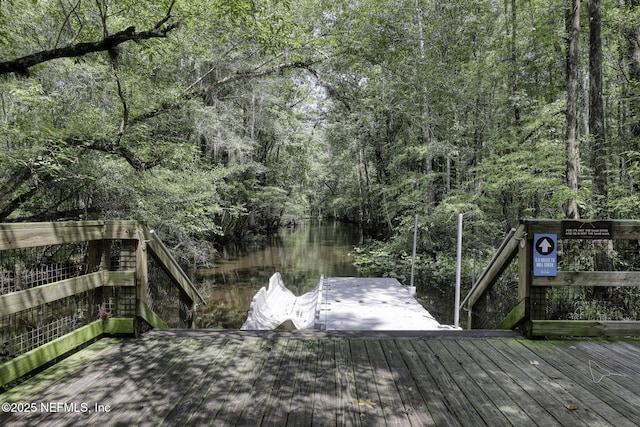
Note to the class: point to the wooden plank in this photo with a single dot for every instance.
(219, 379)
(515, 316)
(217, 355)
(483, 373)
(472, 393)
(56, 377)
(267, 385)
(324, 407)
(139, 388)
(367, 381)
(122, 230)
(145, 313)
(173, 270)
(621, 356)
(394, 411)
(153, 399)
(26, 235)
(543, 408)
(119, 326)
(440, 391)
(245, 374)
(590, 278)
(31, 360)
(77, 377)
(169, 378)
(262, 392)
(278, 408)
(587, 397)
(28, 298)
(525, 269)
(304, 385)
(497, 265)
(119, 278)
(621, 229)
(548, 380)
(421, 399)
(142, 273)
(593, 373)
(346, 398)
(584, 328)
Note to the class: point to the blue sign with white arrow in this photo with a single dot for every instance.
(545, 255)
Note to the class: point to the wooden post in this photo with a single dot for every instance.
(142, 277)
(525, 267)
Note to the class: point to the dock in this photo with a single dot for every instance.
(334, 378)
(341, 304)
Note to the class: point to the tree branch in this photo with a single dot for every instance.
(22, 65)
(256, 74)
(114, 147)
(240, 75)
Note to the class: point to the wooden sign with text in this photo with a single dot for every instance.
(587, 229)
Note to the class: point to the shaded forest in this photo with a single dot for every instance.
(213, 120)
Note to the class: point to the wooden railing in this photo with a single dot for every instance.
(64, 284)
(593, 291)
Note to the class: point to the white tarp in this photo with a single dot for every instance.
(272, 307)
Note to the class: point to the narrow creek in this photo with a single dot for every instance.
(301, 255)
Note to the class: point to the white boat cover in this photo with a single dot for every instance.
(272, 307)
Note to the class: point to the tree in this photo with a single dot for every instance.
(573, 147)
(631, 33)
(596, 110)
(68, 101)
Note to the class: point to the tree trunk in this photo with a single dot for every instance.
(571, 135)
(596, 110)
(512, 30)
(631, 32)
(426, 118)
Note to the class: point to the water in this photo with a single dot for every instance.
(301, 255)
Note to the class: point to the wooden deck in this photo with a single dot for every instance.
(334, 379)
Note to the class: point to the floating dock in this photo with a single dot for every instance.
(341, 304)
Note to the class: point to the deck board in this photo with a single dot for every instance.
(482, 371)
(564, 388)
(390, 400)
(570, 362)
(332, 379)
(529, 397)
(303, 385)
(453, 396)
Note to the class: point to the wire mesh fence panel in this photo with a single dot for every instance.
(29, 329)
(26, 268)
(598, 255)
(163, 297)
(122, 255)
(77, 291)
(29, 268)
(600, 302)
(497, 301)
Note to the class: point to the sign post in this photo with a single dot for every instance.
(545, 255)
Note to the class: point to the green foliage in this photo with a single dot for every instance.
(419, 107)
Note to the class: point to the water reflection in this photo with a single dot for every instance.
(300, 254)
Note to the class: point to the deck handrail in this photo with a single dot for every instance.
(481, 283)
(530, 311)
(30, 292)
(175, 268)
